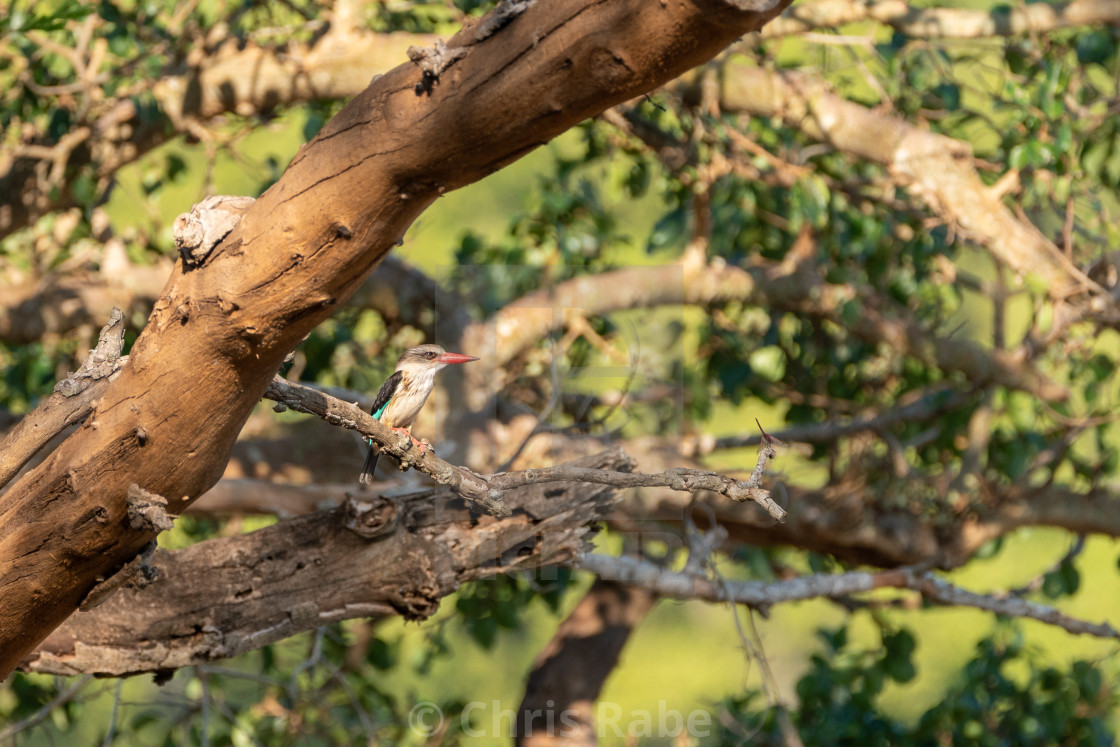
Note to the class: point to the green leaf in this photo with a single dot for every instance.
(1095, 46)
(1030, 153)
(769, 363)
(950, 95)
(68, 10)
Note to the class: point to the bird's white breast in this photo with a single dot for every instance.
(409, 399)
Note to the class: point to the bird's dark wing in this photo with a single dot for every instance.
(384, 394)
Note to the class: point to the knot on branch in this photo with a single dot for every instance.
(137, 573)
(417, 602)
(199, 231)
(103, 361)
(369, 518)
(147, 510)
(433, 62)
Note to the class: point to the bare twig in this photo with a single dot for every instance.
(64, 696)
(927, 406)
(1036, 583)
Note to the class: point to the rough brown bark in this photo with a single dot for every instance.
(220, 331)
(231, 595)
(568, 674)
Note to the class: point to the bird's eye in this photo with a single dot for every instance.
(430, 354)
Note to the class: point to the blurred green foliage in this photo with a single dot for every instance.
(1005, 695)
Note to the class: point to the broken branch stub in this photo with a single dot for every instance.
(199, 231)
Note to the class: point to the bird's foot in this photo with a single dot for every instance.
(422, 445)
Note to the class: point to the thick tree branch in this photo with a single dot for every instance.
(246, 496)
(935, 168)
(227, 596)
(842, 520)
(70, 404)
(777, 287)
(936, 23)
(302, 249)
(630, 570)
(569, 673)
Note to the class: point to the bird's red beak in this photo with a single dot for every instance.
(456, 358)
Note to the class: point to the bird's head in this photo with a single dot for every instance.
(429, 358)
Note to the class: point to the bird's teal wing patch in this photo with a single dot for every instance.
(381, 401)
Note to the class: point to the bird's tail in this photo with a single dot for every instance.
(370, 466)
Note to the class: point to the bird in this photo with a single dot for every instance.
(403, 395)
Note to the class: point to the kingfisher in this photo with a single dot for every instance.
(403, 395)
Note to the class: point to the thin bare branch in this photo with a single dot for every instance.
(64, 696)
(926, 407)
(761, 594)
(487, 490)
